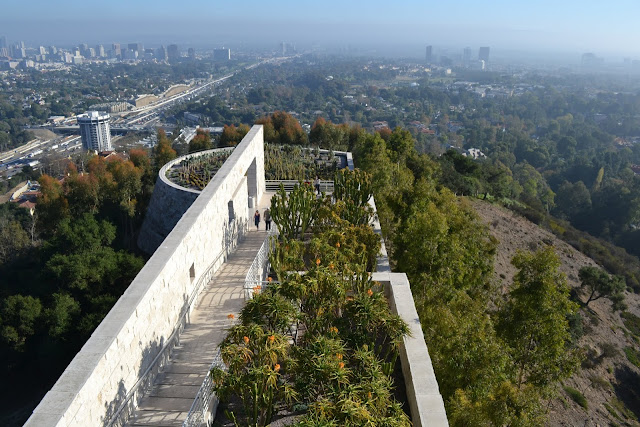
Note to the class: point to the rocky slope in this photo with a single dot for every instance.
(609, 382)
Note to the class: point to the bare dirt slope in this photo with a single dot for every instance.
(608, 381)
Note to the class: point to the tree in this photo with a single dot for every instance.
(231, 135)
(599, 284)
(20, 315)
(534, 320)
(163, 153)
(201, 141)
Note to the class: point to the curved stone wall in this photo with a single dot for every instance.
(169, 202)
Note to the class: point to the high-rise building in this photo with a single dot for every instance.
(429, 54)
(138, 47)
(483, 54)
(94, 130)
(466, 56)
(161, 53)
(173, 53)
(100, 51)
(117, 51)
(221, 54)
(3, 42)
(191, 53)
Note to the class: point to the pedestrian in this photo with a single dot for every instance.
(267, 219)
(316, 184)
(256, 219)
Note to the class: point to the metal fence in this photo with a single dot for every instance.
(205, 404)
(259, 268)
(274, 185)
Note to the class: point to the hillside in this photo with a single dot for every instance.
(608, 381)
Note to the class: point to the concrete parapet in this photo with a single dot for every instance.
(423, 394)
(130, 344)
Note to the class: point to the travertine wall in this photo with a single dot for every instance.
(168, 203)
(134, 332)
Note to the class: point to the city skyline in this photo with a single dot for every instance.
(548, 26)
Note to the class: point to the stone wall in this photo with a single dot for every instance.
(133, 338)
(169, 202)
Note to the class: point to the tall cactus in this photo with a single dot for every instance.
(354, 188)
(294, 213)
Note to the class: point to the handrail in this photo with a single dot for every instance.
(274, 185)
(145, 382)
(199, 414)
(259, 267)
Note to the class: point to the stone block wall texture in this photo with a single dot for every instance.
(130, 337)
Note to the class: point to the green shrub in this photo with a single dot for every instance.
(633, 354)
(631, 322)
(577, 396)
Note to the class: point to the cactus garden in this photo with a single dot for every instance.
(195, 172)
(291, 162)
(319, 345)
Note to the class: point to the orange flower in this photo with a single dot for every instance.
(271, 338)
(269, 279)
(338, 245)
(333, 330)
(369, 292)
(369, 395)
(341, 365)
(339, 356)
(276, 367)
(331, 266)
(318, 261)
(231, 316)
(246, 340)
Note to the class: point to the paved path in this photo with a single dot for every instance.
(176, 387)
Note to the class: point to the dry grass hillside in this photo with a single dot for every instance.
(606, 391)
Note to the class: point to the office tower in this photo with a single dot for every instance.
(138, 47)
(3, 42)
(191, 54)
(84, 50)
(221, 54)
(100, 51)
(466, 56)
(53, 50)
(161, 54)
(483, 54)
(117, 51)
(173, 53)
(429, 54)
(95, 132)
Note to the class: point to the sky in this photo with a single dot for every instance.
(603, 27)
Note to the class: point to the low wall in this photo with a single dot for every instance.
(423, 394)
(103, 378)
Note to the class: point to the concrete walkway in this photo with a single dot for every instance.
(176, 387)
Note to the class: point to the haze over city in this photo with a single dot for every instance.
(402, 28)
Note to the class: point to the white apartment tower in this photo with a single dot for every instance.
(95, 132)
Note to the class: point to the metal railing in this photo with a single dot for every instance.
(274, 185)
(145, 383)
(205, 404)
(259, 268)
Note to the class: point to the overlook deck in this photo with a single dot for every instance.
(175, 388)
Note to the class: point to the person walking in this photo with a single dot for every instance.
(256, 219)
(316, 184)
(267, 219)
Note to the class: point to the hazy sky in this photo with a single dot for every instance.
(561, 25)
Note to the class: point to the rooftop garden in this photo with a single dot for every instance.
(195, 172)
(317, 345)
(291, 162)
